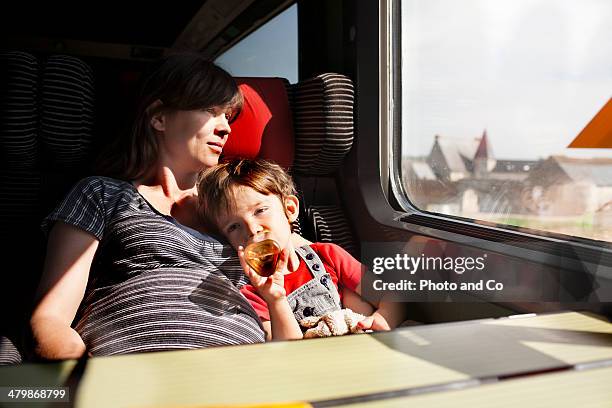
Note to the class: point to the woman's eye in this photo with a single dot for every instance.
(261, 210)
(232, 228)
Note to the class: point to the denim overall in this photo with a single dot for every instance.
(319, 295)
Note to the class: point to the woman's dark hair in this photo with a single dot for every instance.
(182, 82)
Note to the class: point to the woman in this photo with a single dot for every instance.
(125, 261)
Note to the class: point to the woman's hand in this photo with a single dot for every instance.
(272, 288)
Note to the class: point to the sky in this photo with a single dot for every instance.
(532, 73)
(272, 50)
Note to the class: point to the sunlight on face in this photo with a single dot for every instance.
(255, 217)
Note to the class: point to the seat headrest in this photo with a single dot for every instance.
(19, 110)
(66, 110)
(264, 126)
(323, 113)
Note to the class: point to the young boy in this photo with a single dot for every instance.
(253, 200)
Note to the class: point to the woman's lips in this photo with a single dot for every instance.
(215, 147)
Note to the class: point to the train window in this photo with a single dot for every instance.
(269, 51)
(492, 94)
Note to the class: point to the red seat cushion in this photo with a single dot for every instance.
(264, 127)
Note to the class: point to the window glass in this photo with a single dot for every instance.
(493, 93)
(269, 51)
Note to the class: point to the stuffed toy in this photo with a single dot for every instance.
(336, 323)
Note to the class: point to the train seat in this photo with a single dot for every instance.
(47, 110)
(50, 136)
(307, 128)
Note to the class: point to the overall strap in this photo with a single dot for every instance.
(319, 295)
(312, 260)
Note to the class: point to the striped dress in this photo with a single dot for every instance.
(154, 284)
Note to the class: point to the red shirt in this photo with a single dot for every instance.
(344, 270)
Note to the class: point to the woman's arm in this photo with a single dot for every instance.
(70, 252)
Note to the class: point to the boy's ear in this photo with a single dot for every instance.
(292, 207)
(157, 117)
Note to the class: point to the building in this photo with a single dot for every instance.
(563, 186)
(463, 177)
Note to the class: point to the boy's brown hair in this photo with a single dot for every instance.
(215, 185)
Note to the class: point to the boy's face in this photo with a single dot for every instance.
(257, 217)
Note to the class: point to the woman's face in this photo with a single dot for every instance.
(194, 139)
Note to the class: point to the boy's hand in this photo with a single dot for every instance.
(272, 288)
(374, 322)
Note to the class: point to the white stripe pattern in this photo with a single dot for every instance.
(330, 225)
(67, 110)
(19, 121)
(8, 352)
(323, 120)
(153, 285)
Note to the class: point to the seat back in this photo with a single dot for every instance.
(47, 110)
(308, 129)
(323, 115)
